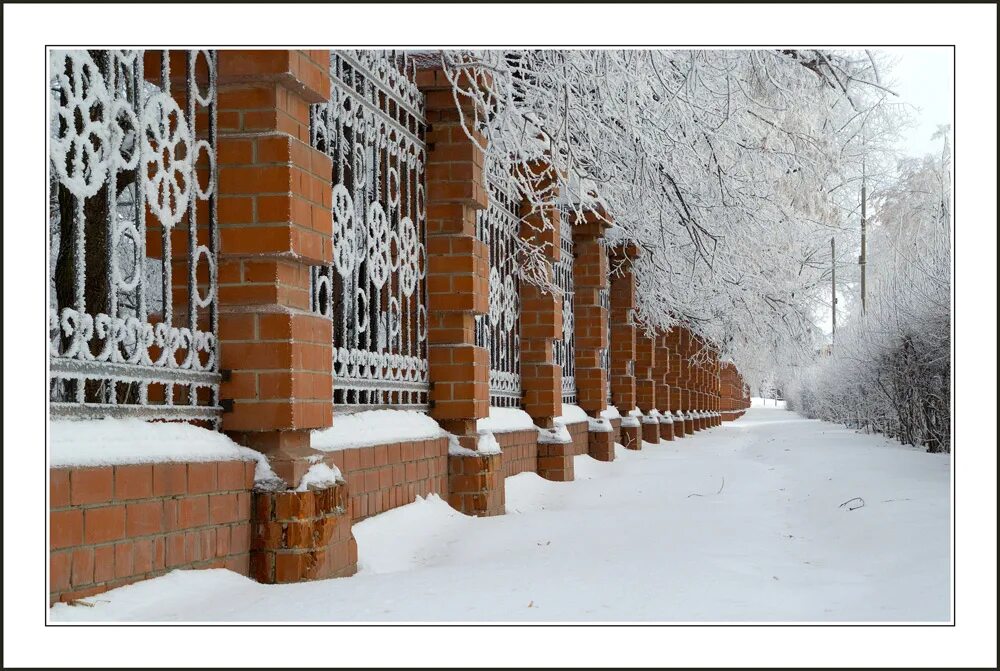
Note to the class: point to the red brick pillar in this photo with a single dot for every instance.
(541, 325)
(715, 387)
(274, 225)
(731, 391)
(692, 383)
(696, 375)
(645, 386)
(701, 384)
(725, 392)
(590, 279)
(623, 341)
(711, 386)
(457, 291)
(700, 395)
(661, 375)
(671, 341)
(684, 348)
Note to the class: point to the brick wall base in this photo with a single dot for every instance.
(555, 461)
(520, 451)
(383, 477)
(475, 484)
(581, 442)
(666, 430)
(630, 437)
(115, 525)
(601, 445)
(688, 425)
(299, 536)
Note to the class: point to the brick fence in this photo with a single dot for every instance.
(110, 526)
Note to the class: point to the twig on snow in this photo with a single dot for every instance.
(716, 494)
(856, 498)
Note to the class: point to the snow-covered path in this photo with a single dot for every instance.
(740, 523)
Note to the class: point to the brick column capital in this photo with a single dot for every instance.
(591, 224)
(306, 73)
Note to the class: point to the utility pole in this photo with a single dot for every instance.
(833, 290)
(863, 259)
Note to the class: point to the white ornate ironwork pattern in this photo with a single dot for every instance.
(499, 331)
(565, 348)
(375, 290)
(132, 184)
(605, 353)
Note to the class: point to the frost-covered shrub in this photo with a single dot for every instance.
(890, 369)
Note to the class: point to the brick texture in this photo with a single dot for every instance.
(590, 277)
(520, 451)
(113, 526)
(475, 484)
(274, 211)
(383, 477)
(623, 330)
(299, 536)
(458, 263)
(631, 438)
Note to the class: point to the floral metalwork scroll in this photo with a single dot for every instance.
(372, 128)
(133, 235)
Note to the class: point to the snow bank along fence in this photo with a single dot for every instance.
(259, 241)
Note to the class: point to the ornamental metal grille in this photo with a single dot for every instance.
(375, 290)
(605, 353)
(565, 349)
(132, 183)
(499, 331)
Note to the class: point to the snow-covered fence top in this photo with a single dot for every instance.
(373, 129)
(132, 183)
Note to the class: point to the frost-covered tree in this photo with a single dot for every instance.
(729, 168)
(890, 370)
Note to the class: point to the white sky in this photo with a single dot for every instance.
(923, 78)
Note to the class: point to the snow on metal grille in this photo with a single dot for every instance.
(605, 353)
(132, 183)
(565, 348)
(375, 291)
(499, 331)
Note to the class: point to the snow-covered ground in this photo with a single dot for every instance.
(742, 523)
(758, 402)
